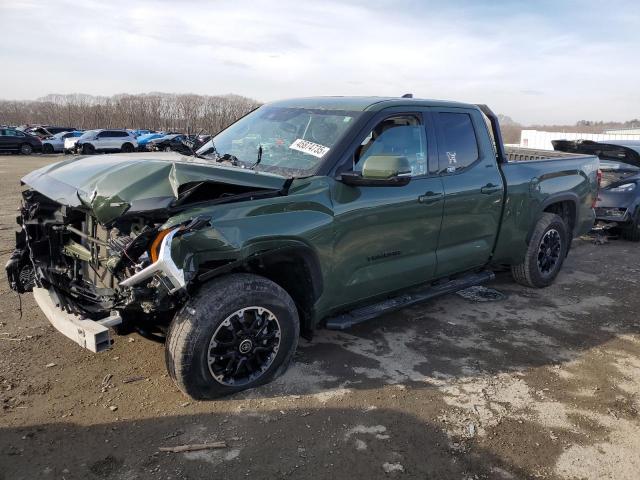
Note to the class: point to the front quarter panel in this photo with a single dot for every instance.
(241, 230)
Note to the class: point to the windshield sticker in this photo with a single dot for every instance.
(305, 146)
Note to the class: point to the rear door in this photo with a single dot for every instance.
(473, 190)
(119, 138)
(386, 237)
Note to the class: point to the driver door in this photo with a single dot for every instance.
(386, 236)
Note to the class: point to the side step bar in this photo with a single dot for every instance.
(412, 297)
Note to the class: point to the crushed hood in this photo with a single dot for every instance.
(111, 185)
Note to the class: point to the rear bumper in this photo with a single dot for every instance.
(90, 334)
(618, 215)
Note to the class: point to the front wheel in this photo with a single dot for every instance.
(545, 254)
(47, 148)
(239, 331)
(88, 149)
(26, 149)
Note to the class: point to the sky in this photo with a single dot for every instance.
(536, 61)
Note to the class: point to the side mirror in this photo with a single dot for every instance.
(381, 170)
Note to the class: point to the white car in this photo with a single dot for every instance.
(56, 143)
(111, 140)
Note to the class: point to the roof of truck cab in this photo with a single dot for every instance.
(361, 104)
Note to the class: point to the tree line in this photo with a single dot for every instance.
(188, 113)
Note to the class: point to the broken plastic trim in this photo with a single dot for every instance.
(164, 265)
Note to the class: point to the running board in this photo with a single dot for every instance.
(412, 297)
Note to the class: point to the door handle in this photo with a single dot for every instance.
(490, 188)
(430, 197)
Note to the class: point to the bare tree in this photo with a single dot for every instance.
(188, 113)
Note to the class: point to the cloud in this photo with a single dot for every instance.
(537, 61)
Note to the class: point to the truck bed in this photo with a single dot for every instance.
(520, 154)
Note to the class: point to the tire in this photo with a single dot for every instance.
(632, 232)
(168, 149)
(47, 148)
(88, 149)
(545, 254)
(204, 326)
(26, 149)
(127, 148)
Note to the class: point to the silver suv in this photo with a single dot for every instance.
(106, 141)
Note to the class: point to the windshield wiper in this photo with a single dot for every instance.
(259, 158)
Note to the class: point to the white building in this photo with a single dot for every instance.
(542, 140)
(624, 131)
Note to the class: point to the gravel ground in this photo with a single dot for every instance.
(528, 384)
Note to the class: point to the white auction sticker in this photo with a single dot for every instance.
(305, 146)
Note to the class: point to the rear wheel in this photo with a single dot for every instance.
(26, 149)
(545, 254)
(47, 148)
(127, 148)
(238, 332)
(631, 232)
(88, 149)
(167, 149)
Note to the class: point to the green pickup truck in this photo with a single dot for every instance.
(307, 213)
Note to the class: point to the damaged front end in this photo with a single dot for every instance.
(98, 238)
(112, 274)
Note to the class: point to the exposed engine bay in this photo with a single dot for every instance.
(66, 250)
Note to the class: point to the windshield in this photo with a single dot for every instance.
(292, 141)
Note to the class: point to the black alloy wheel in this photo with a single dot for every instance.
(244, 346)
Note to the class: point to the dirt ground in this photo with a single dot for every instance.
(533, 384)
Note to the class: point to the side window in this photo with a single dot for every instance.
(120, 134)
(104, 134)
(459, 147)
(402, 135)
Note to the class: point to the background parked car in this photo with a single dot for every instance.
(143, 140)
(47, 131)
(619, 197)
(138, 133)
(176, 143)
(13, 140)
(55, 144)
(106, 141)
(166, 142)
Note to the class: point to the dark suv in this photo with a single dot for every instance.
(13, 140)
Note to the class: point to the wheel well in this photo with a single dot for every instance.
(297, 271)
(566, 210)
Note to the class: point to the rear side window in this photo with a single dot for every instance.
(120, 134)
(459, 147)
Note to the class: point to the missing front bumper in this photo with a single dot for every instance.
(90, 334)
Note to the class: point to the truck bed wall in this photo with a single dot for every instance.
(533, 185)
